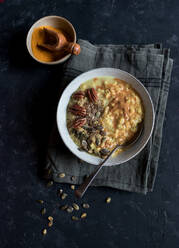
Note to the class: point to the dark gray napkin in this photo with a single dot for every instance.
(152, 66)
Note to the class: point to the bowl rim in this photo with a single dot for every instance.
(94, 70)
(29, 35)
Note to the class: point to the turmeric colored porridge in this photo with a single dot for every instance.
(102, 113)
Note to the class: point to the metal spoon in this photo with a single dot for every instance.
(79, 192)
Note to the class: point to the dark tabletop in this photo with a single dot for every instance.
(28, 98)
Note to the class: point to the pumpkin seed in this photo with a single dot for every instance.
(63, 196)
(108, 199)
(84, 144)
(74, 218)
(43, 211)
(40, 201)
(73, 178)
(72, 187)
(76, 207)
(92, 138)
(91, 130)
(94, 131)
(103, 139)
(85, 136)
(44, 231)
(95, 123)
(98, 114)
(83, 215)
(50, 223)
(97, 141)
(79, 134)
(85, 205)
(64, 207)
(50, 183)
(69, 209)
(61, 175)
(85, 127)
(50, 218)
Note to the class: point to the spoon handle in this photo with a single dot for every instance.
(79, 192)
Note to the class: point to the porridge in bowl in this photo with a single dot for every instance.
(102, 113)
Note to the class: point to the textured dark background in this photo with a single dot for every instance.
(28, 98)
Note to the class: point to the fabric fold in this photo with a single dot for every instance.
(152, 65)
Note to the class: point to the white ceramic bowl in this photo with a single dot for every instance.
(56, 22)
(148, 120)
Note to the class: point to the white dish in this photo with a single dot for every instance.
(148, 119)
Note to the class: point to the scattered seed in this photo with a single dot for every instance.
(63, 196)
(44, 231)
(108, 199)
(83, 215)
(40, 201)
(60, 191)
(50, 183)
(75, 218)
(61, 175)
(85, 205)
(72, 187)
(64, 207)
(73, 178)
(69, 209)
(50, 218)
(50, 223)
(43, 211)
(76, 207)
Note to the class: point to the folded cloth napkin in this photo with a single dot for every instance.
(152, 66)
